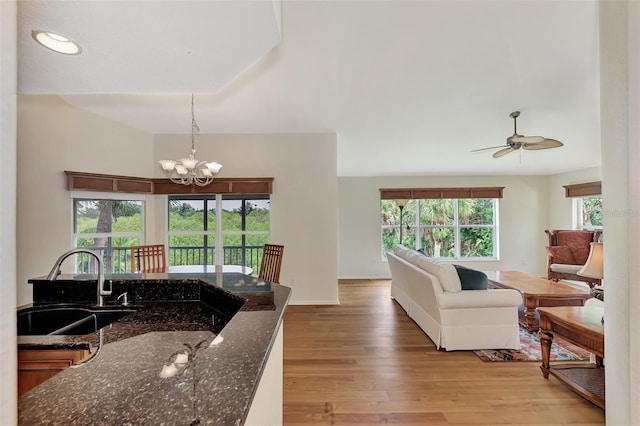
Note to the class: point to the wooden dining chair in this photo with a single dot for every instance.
(148, 258)
(271, 262)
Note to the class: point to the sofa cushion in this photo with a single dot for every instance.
(561, 254)
(445, 272)
(565, 269)
(413, 256)
(471, 279)
(401, 251)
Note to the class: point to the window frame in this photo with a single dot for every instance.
(109, 263)
(578, 206)
(578, 192)
(219, 233)
(456, 226)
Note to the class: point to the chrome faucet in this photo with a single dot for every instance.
(55, 271)
(124, 297)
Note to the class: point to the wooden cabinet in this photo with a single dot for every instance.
(38, 365)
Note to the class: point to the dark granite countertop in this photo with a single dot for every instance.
(123, 384)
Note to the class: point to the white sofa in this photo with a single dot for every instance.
(454, 319)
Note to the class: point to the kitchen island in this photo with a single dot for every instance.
(194, 352)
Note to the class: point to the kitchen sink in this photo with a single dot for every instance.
(67, 319)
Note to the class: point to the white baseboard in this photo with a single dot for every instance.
(314, 302)
(363, 277)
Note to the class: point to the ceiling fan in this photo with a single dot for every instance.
(516, 141)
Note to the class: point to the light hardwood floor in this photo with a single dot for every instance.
(365, 362)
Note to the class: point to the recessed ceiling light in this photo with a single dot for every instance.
(56, 42)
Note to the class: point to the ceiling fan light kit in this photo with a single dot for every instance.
(516, 141)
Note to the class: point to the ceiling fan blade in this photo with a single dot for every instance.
(527, 139)
(502, 152)
(491, 147)
(544, 144)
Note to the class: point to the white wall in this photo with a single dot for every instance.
(8, 87)
(52, 137)
(522, 220)
(303, 203)
(620, 108)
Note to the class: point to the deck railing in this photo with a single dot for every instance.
(120, 259)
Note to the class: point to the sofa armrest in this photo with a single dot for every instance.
(493, 298)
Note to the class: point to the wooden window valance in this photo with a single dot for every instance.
(440, 193)
(583, 189)
(114, 183)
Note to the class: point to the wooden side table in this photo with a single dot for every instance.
(582, 326)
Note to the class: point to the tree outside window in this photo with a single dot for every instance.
(442, 228)
(590, 212)
(109, 227)
(194, 237)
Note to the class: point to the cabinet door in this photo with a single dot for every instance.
(37, 366)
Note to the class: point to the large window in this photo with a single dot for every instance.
(443, 228)
(196, 229)
(109, 227)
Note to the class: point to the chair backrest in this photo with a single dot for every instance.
(271, 262)
(148, 258)
(576, 241)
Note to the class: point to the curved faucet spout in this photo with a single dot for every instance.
(55, 271)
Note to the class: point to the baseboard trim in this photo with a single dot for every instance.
(363, 277)
(314, 302)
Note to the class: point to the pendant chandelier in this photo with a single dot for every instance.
(188, 171)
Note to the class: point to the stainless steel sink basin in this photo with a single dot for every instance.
(66, 319)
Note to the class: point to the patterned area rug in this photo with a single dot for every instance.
(561, 350)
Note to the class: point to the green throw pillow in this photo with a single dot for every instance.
(472, 279)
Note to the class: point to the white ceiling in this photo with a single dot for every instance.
(409, 87)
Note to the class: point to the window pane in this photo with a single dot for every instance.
(211, 215)
(390, 217)
(476, 242)
(258, 215)
(475, 211)
(186, 250)
(408, 236)
(232, 215)
(232, 250)
(390, 237)
(436, 212)
(86, 216)
(253, 251)
(438, 242)
(592, 211)
(186, 215)
(390, 212)
(127, 216)
(116, 225)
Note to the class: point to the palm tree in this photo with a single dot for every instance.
(108, 213)
(439, 213)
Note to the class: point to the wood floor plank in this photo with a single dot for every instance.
(365, 362)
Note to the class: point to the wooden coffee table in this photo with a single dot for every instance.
(537, 292)
(582, 326)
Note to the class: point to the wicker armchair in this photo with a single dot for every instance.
(567, 252)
